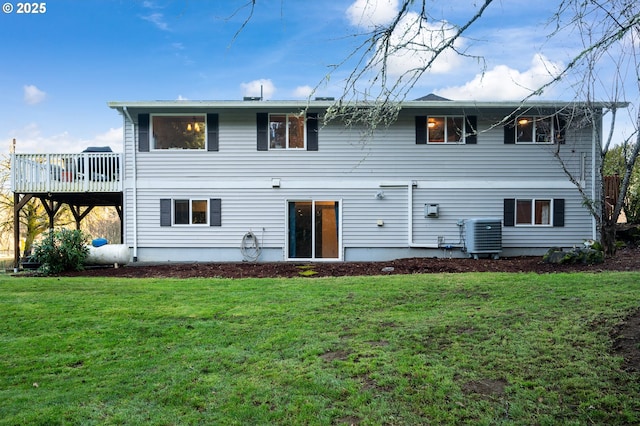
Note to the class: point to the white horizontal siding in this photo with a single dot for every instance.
(264, 212)
(463, 204)
(465, 180)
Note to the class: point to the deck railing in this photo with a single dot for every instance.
(85, 172)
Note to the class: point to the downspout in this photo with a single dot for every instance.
(410, 241)
(135, 186)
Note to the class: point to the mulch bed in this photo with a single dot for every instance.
(627, 259)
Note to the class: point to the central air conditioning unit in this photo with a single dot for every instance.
(483, 236)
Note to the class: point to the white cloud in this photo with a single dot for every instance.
(31, 140)
(112, 138)
(181, 98)
(154, 17)
(372, 13)
(33, 95)
(256, 88)
(413, 45)
(302, 92)
(157, 19)
(413, 42)
(504, 83)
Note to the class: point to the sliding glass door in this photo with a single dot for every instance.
(314, 230)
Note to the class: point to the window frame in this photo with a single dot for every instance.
(535, 119)
(533, 212)
(301, 117)
(198, 115)
(445, 140)
(207, 212)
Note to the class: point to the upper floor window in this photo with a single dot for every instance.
(534, 130)
(531, 129)
(286, 131)
(178, 131)
(445, 129)
(281, 131)
(451, 129)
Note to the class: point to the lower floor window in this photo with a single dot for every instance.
(187, 211)
(190, 212)
(314, 229)
(533, 212)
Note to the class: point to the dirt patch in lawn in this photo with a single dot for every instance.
(494, 388)
(626, 342)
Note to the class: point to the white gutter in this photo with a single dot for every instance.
(410, 242)
(135, 185)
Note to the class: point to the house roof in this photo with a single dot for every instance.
(422, 103)
(432, 97)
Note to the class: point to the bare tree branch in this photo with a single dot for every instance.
(251, 4)
(374, 58)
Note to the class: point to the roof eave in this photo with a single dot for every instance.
(323, 104)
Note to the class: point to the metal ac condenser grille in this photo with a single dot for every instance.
(488, 236)
(483, 235)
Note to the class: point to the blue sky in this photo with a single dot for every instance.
(61, 67)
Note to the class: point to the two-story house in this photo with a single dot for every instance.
(269, 181)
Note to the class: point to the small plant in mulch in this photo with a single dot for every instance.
(306, 271)
(584, 255)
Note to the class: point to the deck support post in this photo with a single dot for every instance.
(119, 211)
(78, 215)
(18, 204)
(52, 209)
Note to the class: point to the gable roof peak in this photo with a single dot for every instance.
(432, 97)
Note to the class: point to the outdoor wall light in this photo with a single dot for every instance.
(380, 195)
(275, 183)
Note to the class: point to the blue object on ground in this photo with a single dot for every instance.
(99, 242)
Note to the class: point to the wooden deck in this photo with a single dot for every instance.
(81, 181)
(91, 172)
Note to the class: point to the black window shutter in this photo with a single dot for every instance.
(215, 212)
(472, 129)
(312, 131)
(509, 212)
(165, 212)
(262, 124)
(421, 129)
(143, 132)
(510, 133)
(212, 132)
(559, 124)
(558, 212)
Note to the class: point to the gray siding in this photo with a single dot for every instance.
(465, 180)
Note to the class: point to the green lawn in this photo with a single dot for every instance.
(484, 348)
